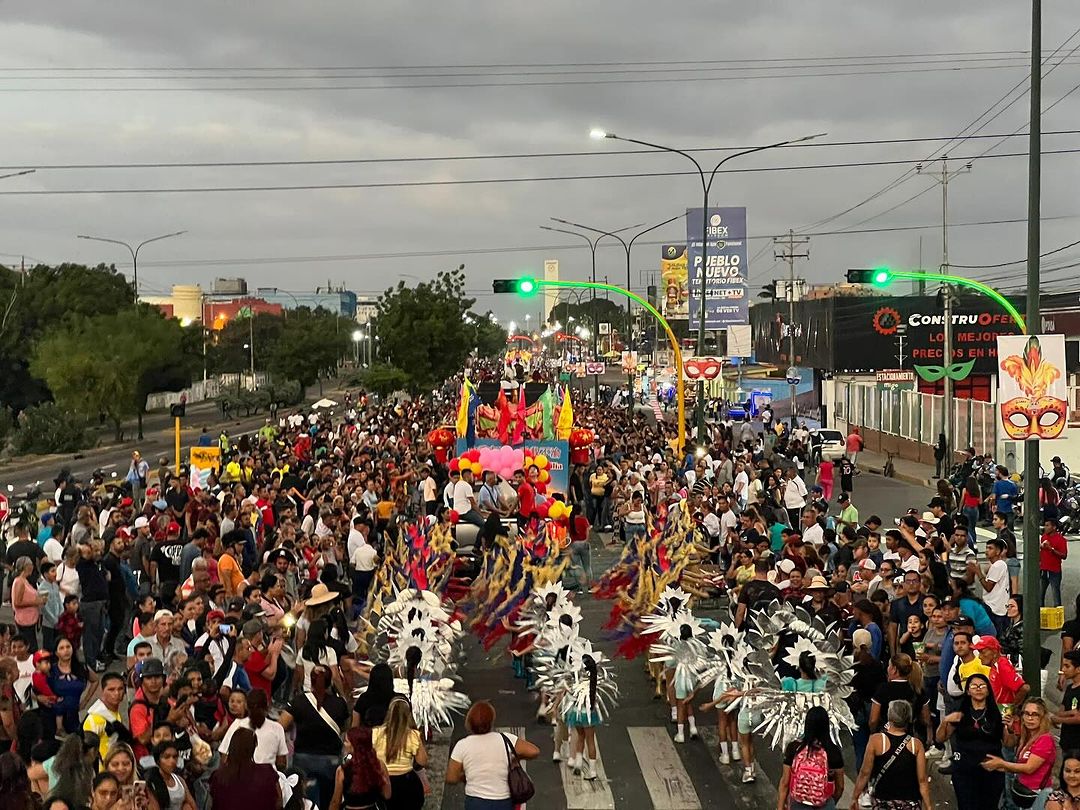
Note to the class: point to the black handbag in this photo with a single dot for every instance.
(521, 786)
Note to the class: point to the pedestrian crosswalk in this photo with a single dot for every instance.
(650, 772)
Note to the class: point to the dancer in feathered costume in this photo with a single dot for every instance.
(787, 636)
(728, 647)
(581, 678)
(685, 659)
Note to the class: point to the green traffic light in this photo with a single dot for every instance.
(527, 286)
(881, 276)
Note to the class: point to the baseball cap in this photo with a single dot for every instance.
(787, 566)
(868, 565)
(173, 528)
(153, 668)
(987, 643)
(141, 522)
(234, 605)
(936, 502)
(42, 655)
(164, 613)
(160, 504)
(1055, 460)
(949, 601)
(963, 621)
(253, 628)
(126, 502)
(843, 497)
(215, 614)
(862, 638)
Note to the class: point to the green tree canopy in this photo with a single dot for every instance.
(490, 340)
(38, 303)
(310, 345)
(422, 329)
(383, 379)
(106, 365)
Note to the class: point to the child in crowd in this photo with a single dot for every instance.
(69, 625)
(53, 607)
(43, 693)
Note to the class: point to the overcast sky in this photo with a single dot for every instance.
(178, 117)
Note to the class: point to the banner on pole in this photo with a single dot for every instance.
(726, 300)
(674, 303)
(1032, 392)
(203, 461)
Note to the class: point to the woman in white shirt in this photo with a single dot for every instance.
(66, 575)
(481, 760)
(270, 746)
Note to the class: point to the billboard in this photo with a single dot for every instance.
(726, 296)
(862, 333)
(673, 291)
(1032, 392)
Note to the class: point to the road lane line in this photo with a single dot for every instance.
(587, 794)
(668, 783)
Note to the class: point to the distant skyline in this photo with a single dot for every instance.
(210, 83)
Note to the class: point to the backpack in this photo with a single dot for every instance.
(810, 782)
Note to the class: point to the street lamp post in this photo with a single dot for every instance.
(627, 247)
(706, 186)
(134, 251)
(357, 336)
(593, 242)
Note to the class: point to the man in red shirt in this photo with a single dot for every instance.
(1053, 548)
(1008, 687)
(265, 660)
(526, 498)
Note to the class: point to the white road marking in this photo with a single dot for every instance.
(665, 777)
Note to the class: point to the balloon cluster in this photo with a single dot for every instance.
(504, 461)
(441, 440)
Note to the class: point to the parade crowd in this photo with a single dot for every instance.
(178, 647)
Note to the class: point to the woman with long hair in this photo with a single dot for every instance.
(894, 766)
(70, 681)
(361, 781)
(1035, 754)
(320, 717)
(271, 747)
(317, 651)
(166, 788)
(120, 762)
(584, 723)
(481, 760)
(977, 732)
(905, 682)
(241, 781)
(815, 744)
(1067, 795)
(401, 749)
(73, 768)
(370, 708)
(15, 793)
(1012, 637)
(947, 494)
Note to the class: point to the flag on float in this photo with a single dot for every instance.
(566, 417)
(462, 424)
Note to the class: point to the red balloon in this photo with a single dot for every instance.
(454, 464)
(542, 509)
(454, 516)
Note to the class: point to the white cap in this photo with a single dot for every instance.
(868, 564)
(163, 614)
(141, 522)
(787, 566)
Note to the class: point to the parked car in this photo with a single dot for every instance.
(825, 443)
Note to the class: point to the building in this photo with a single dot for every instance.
(190, 303)
(340, 301)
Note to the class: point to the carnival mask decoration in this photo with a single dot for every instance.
(702, 368)
(1034, 414)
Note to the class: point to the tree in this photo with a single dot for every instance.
(40, 301)
(588, 313)
(106, 365)
(490, 338)
(310, 346)
(422, 329)
(48, 428)
(384, 379)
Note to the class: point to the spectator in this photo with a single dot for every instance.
(481, 760)
(270, 747)
(1005, 681)
(1035, 755)
(995, 583)
(320, 718)
(894, 767)
(361, 781)
(243, 782)
(1053, 549)
(805, 759)
(977, 732)
(1003, 495)
(1067, 795)
(167, 789)
(370, 708)
(401, 750)
(27, 602)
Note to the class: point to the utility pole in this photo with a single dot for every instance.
(1032, 640)
(790, 243)
(943, 176)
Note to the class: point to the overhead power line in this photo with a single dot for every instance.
(481, 181)
(463, 158)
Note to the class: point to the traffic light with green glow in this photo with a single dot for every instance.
(525, 287)
(878, 276)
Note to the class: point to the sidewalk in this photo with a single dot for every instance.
(911, 472)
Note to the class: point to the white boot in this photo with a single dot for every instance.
(736, 753)
(588, 770)
(679, 736)
(560, 753)
(575, 763)
(725, 757)
(693, 727)
(674, 714)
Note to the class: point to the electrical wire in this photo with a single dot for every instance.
(482, 181)
(456, 158)
(459, 85)
(1017, 261)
